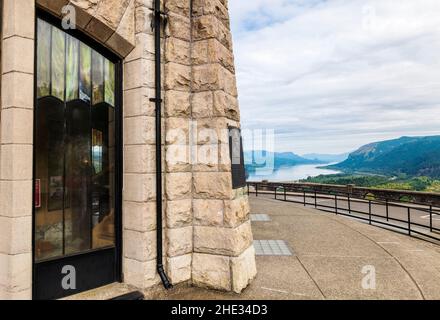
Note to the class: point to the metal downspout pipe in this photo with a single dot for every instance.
(157, 16)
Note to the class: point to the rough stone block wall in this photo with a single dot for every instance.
(222, 255)
(178, 182)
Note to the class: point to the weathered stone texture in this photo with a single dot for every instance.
(206, 27)
(179, 241)
(178, 51)
(177, 132)
(181, 7)
(212, 51)
(178, 27)
(140, 274)
(177, 104)
(179, 213)
(123, 39)
(140, 246)
(179, 268)
(140, 187)
(12, 96)
(215, 8)
(140, 130)
(224, 241)
(140, 159)
(208, 212)
(212, 185)
(139, 216)
(211, 271)
(214, 77)
(244, 269)
(177, 77)
(178, 185)
(15, 276)
(178, 158)
(236, 211)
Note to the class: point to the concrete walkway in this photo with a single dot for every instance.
(329, 254)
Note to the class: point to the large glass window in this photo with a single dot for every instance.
(75, 165)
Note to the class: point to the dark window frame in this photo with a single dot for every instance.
(118, 61)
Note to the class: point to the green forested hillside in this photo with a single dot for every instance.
(411, 156)
(380, 182)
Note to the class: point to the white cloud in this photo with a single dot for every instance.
(332, 75)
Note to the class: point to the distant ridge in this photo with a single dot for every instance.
(328, 158)
(412, 156)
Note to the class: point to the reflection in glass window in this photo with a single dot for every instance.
(58, 63)
(69, 69)
(85, 72)
(43, 52)
(72, 64)
(97, 144)
(75, 158)
(109, 70)
(97, 78)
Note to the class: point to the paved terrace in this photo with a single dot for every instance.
(329, 253)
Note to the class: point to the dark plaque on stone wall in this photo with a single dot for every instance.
(237, 158)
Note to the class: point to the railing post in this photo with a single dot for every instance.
(409, 221)
(349, 203)
(369, 212)
(336, 203)
(248, 189)
(430, 218)
(256, 189)
(387, 210)
(304, 194)
(316, 202)
(285, 193)
(276, 193)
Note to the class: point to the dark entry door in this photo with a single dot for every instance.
(76, 207)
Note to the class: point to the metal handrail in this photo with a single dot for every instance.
(301, 194)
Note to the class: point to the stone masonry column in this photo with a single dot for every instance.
(178, 176)
(16, 145)
(139, 204)
(224, 256)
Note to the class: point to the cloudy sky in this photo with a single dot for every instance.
(331, 75)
